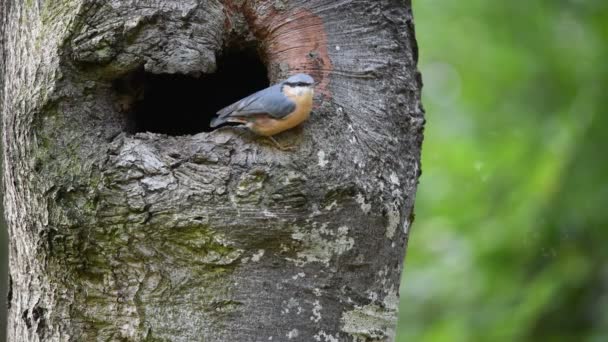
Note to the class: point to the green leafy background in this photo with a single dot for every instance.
(510, 238)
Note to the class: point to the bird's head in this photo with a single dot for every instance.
(300, 84)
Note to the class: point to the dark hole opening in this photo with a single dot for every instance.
(177, 104)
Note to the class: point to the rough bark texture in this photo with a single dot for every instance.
(213, 236)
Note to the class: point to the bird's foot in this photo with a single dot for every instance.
(279, 146)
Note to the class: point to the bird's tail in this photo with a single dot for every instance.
(217, 121)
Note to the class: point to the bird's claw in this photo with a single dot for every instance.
(281, 147)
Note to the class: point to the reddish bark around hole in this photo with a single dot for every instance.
(295, 38)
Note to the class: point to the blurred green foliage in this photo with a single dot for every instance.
(510, 241)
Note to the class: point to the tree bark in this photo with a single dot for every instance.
(214, 236)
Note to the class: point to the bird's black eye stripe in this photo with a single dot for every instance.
(297, 84)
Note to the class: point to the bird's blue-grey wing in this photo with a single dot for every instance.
(269, 101)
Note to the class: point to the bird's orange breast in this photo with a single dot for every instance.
(268, 126)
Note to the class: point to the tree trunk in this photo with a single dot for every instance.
(187, 234)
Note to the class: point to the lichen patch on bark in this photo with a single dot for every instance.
(370, 323)
(321, 244)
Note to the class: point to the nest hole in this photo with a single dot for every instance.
(176, 104)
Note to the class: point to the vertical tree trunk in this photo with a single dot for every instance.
(118, 235)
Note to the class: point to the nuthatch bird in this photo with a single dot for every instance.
(272, 110)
